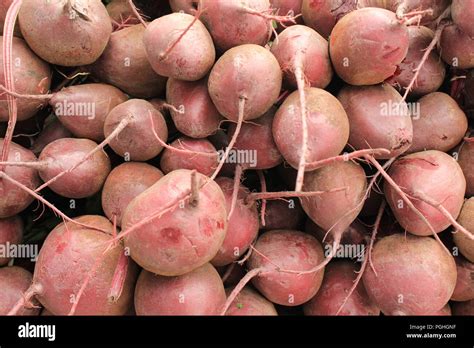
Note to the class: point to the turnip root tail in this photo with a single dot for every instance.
(14, 94)
(136, 13)
(282, 194)
(263, 186)
(234, 137)
(164, 105)
(271, 15)
(238, 288)
(35, 165)
(348, 157)
(8, 29)
(33, 290)
(235, 191)
(119, 278)
(299, 75)
(402, 15)
(367, 256)
(194, 200)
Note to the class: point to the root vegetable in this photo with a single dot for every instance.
(322, 16)
(188, 153)
(256, 140)
(242, 225)
(374, 59)
(292, 250)
(199, 117)
(69, 256)
(338, 280)
(440, 125)
(137, 141)
(67, 33)
(199, 292)
(185, 237)
(326, 122)
(170, 44)
(124, 64)
(247, 72)
(83, 181)
(378, 118)
(432, 74)
(464, 290)
(250, 302)
(83, 109)
(415, 174)
(301, 47)
(401, 261)
(124, 183)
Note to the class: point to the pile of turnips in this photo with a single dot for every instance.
(225, 157)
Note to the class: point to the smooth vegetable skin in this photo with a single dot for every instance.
(124, 64)
(369, 61)
(199, 292)
(290, 250)
(234, 23)
(440, 124)
(457, 48)
(137, 141)
(327, 125)
(186, 57)
(68, 33)
(378, 118)
(82, 109)
(247, 72)
(322, 16)
(415, 174)
(250, 302)
(123, 184)
(300, 45)
(464, 290)
(335, 210)
(199, 154)
(196, 117)
(415, 275)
